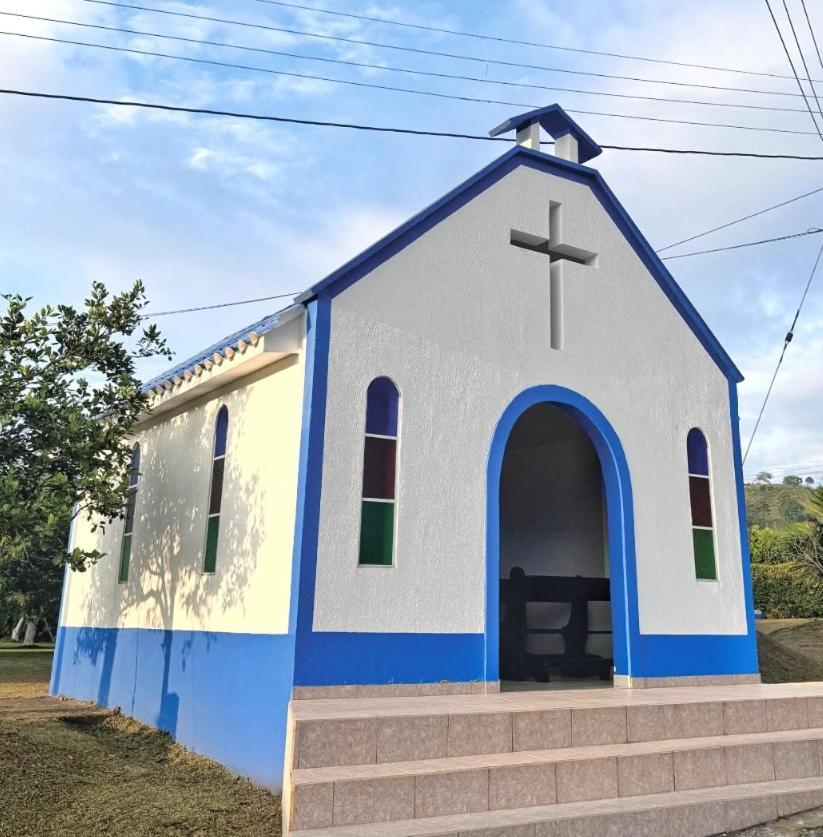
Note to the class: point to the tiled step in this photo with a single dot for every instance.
(370, 793)
(692, 813)
(329, 733)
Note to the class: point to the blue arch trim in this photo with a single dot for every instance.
(635, 654)
(620, 516)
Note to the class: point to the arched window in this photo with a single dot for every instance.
(700, 492)
(218, 464)
(128, 525)
(377, 508)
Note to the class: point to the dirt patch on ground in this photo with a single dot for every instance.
(790, 650)
(809, 824)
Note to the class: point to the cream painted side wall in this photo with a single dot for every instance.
(250, 590)
(460, 321)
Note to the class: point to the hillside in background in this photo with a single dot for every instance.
(776, 506)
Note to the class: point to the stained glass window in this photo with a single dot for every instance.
(218, 464)
(700, 494)
(377, 508)
(128, 524)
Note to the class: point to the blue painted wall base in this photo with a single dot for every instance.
(337, 659)
(222, 695)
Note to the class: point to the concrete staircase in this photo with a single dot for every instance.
(657, 762)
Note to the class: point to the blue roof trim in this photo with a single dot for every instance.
(261, 326)
(432, 215)
(556, 122)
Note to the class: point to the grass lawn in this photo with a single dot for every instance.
(94, 774)
(24, 672)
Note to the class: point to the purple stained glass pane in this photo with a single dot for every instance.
(378, 468)
(382, 399)
(216, 496)
(221, 430)
(698, 453)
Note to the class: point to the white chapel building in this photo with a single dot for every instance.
(500, 446)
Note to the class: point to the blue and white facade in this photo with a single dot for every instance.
(474, 324)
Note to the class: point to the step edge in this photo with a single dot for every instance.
(452, 764)
(452, 823)
(338, 709)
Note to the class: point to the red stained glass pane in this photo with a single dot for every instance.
(379, 468)
(701, 501)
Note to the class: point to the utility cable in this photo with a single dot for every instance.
(791, 64)
(811, 30)
(786, 340)
(381, 129)
(499, 39)
(390, 88)
(740, 220)
(386, 68)
(812, 231)
(152, 314)
(802, 57)
(421, 51)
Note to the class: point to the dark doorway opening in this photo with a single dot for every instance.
(555, 599)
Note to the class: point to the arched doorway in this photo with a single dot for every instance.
(560, 595)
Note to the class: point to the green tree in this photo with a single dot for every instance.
(792, 479)
(809, 481)
(69, 400)
(764, 477)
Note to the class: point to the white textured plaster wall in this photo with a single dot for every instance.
(460, 321)
(250, 590)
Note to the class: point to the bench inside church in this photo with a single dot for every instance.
(518, 662)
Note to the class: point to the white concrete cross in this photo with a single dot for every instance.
(558, 253)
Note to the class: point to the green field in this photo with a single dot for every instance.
(777, 505)
(92, 773)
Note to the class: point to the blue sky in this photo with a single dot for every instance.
(207, 210)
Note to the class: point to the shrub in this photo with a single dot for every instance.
(780, 546)
(784, 590)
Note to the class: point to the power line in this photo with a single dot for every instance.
(386, 87)
(740, 220)
(811, 30)
(802, 57)
(794, 71)
(498, 39)
(386, 68)
(376, 128)
(151, 315)
(814, 231)
(421, 51)
(786, 340)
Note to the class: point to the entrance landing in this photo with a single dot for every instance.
(530, 701)
(696, 760)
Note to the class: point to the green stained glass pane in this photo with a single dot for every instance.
(125, 554)
(376, 533)
(704, 563)
(212, 531)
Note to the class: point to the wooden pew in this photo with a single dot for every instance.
(515, 594)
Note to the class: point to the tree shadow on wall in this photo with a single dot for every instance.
(167, 589)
